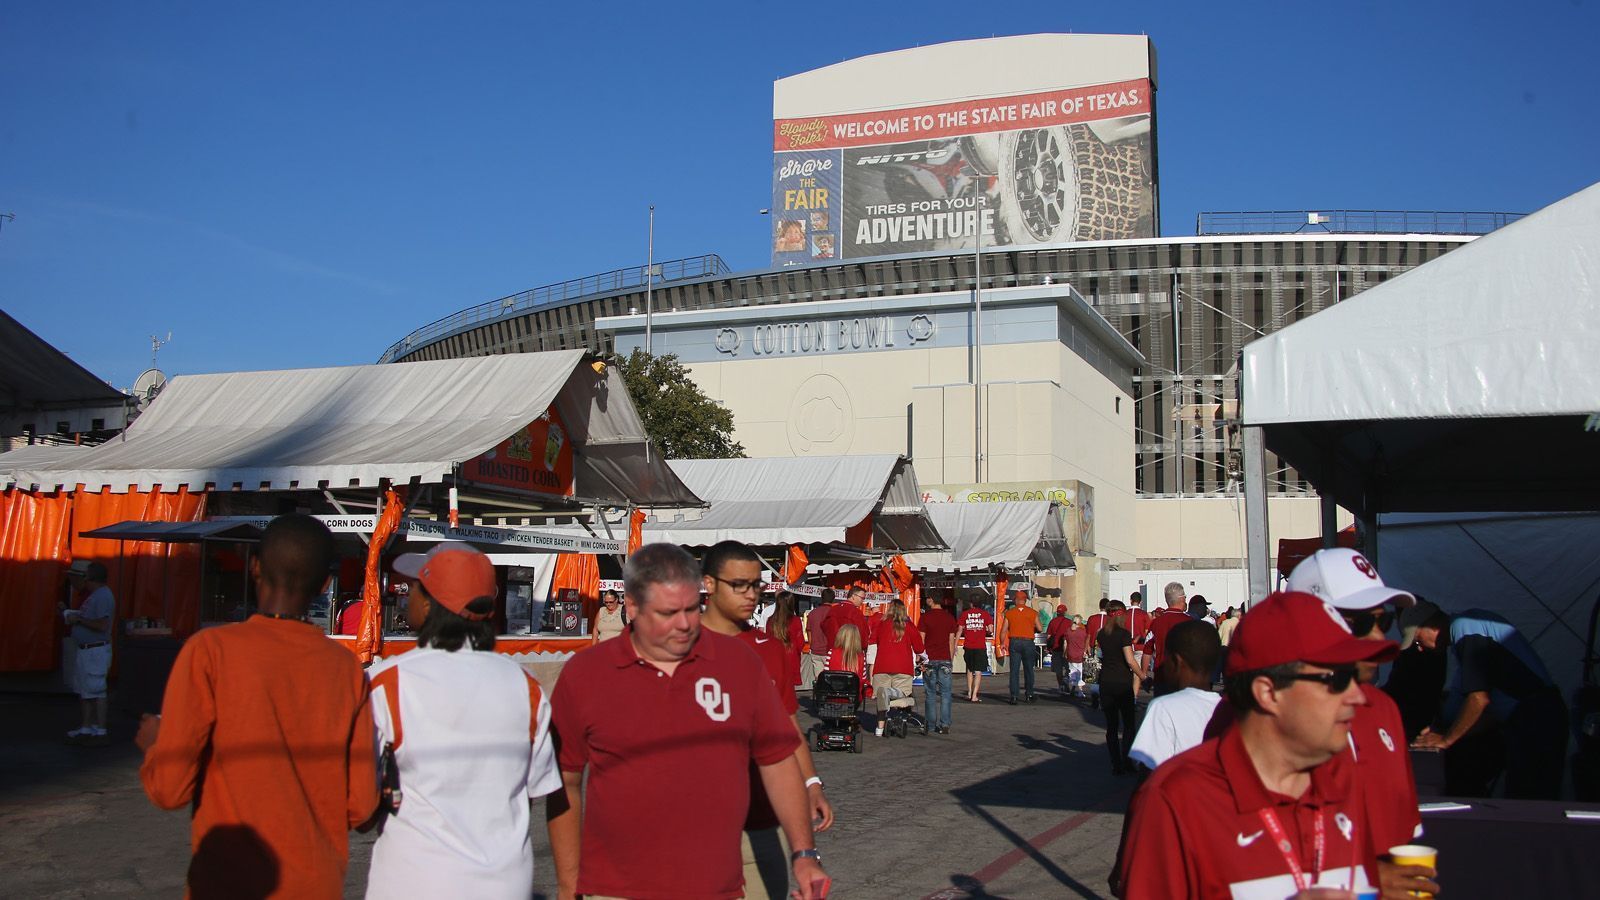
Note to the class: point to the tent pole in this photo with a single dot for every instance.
(1330, 522)
(1255, 513)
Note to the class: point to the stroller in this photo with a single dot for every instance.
(838, 703)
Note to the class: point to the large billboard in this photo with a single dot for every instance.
(1029, 161)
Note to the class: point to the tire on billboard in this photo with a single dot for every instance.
(1052, 167)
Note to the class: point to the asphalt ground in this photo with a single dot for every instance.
(1017, 801)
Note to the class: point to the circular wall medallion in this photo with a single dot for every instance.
(822, 418)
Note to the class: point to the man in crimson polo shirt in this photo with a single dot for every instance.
(1349, 583)
(732, 579)
(1270, 808)
(667, 723)
(1154, 636)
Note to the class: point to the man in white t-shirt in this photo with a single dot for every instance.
(91, 629)
(470, 733)
(1177, 721)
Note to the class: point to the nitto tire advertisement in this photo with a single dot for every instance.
(1073, 165)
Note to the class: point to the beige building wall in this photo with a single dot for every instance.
(1048, 415)
(1179, 532)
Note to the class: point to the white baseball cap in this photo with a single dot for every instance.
(1344, 579)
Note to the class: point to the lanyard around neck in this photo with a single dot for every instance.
(1280, 839)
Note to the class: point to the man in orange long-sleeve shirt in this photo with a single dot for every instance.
(266, 729)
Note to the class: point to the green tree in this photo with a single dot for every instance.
(681, 420)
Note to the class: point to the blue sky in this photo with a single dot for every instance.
(300, 184)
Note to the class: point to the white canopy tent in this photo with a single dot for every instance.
(1021, 535)
(354, 426)
(801, 500)
(1467, 386)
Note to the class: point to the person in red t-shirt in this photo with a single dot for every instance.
(786, 628)
(976, 627)
(1270, 808)
(848, 611)
(938, 629)
(1137, 620)
(732, 577)
(898, 644)
(667, 720)
(819, 640)
(1154, 637)
(1093, 626)
(1053, 635)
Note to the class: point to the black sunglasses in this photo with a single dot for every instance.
(1337, 681)
(1361, 623)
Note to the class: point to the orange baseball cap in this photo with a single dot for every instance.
(454, 574)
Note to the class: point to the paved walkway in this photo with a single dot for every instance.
(1015, 802)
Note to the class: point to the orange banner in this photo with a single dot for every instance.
(536, 459)
(579, 572)
(794, 565)
(369, 637)
(635, 531)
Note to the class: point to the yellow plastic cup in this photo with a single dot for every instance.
(1415, 855)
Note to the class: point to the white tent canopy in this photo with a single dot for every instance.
(301, 429)
(801, 500)
(1467, 383)
(1016, 535)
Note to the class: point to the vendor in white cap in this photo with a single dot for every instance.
(1349, 582)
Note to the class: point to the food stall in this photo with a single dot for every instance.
(991, 545)
(537, 458)
(840, 517)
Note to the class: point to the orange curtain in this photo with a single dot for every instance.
(579, 571)
(635, 531)
(148, 578)
(34, 552)
(369, 637)
(794, 565)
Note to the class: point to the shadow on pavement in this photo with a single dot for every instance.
(1075, 779)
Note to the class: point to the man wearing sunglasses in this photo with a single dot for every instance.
(1270, 807)
(1349, 582)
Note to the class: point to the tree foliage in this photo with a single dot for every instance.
(681, 420)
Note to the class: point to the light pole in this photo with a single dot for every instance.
(649, 281)
(977, 353)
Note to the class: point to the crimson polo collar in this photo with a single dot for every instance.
(1250, 795)
(623, 654)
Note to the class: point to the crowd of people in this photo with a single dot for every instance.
(1293, 778)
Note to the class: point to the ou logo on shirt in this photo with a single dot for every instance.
(713, 699)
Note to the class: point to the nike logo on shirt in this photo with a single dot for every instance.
(1246, 840)
(762, 640)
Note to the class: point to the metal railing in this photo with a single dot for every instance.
(666, 271)
(1351, 221)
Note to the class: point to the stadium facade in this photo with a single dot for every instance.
(1176, 310)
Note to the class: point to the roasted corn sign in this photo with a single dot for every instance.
(536, 459)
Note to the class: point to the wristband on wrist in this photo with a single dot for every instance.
(814, 780)
(805, 854)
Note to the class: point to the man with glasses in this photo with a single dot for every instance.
(1349, 582)
(731, 573)
(1269, 808)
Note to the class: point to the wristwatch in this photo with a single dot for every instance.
(805, 854)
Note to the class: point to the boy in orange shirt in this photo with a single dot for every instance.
(266, 728)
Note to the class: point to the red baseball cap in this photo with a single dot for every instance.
(454, 574)
(1291, 627)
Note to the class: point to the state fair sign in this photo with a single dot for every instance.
(1053, 166)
